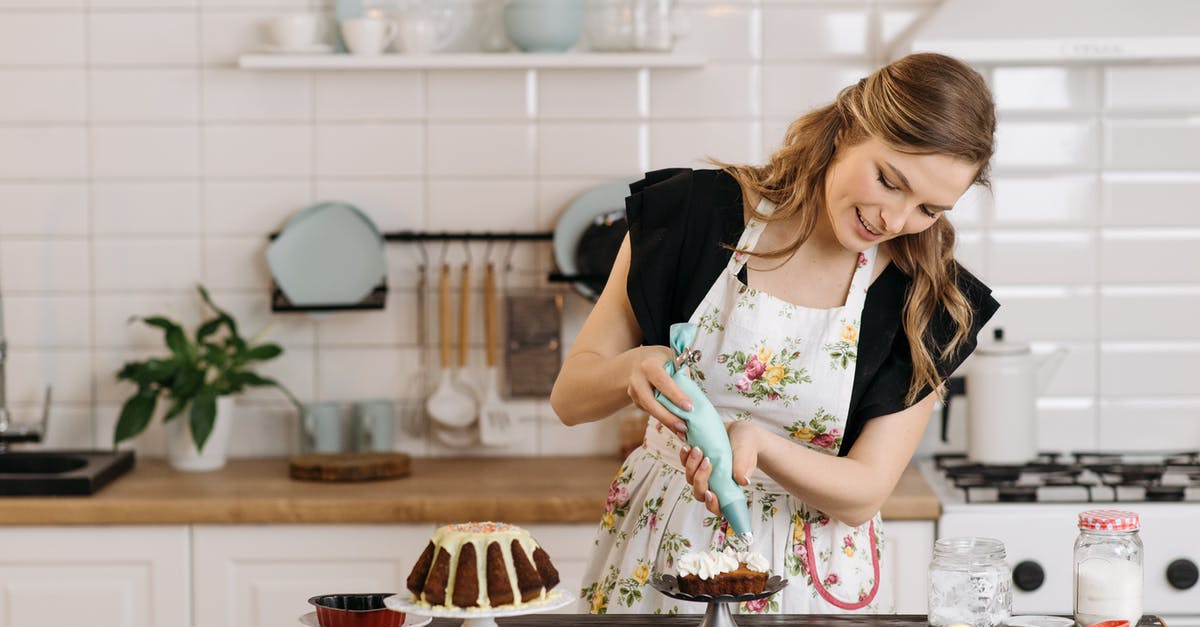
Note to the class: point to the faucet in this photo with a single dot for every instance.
(9, 431)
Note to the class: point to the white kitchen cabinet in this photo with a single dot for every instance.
(907, 549)
(263, 575)
(96, 576)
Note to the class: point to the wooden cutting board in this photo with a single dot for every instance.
(349, 466)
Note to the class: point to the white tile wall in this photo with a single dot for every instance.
(136, 161)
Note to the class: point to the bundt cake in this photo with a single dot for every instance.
(482, 564)
(722, 572)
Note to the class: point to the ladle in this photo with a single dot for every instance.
(448, 405)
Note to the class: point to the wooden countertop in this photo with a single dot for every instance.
(259, 491)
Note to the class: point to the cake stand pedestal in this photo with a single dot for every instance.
(477, 617)
(718, 613)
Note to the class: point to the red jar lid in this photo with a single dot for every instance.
(1109, 520)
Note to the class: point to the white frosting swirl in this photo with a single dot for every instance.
(709, 564)
(706, 564)
(753, 561)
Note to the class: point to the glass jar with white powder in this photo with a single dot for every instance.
(1108, 567)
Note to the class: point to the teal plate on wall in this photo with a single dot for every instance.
(329, 253)
(584, 210)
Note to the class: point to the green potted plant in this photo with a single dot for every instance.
(198, 378)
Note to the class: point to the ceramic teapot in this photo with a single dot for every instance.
(1003, 380)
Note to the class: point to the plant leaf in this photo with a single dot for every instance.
(202, 417)
(263, 352)
(135, 414)
(186, 382)
(176, 339)
(254, 380)
(207, 329)
(177, 408)
(150, 371)
(223, 315)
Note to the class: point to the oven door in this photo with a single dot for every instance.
(1040, 538)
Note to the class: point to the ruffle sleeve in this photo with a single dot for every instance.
(887, 388)
(678, 219)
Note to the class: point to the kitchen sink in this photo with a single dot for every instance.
(54, 473)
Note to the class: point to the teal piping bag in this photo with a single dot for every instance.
(707, 431)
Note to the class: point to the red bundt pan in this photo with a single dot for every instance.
(355, 610)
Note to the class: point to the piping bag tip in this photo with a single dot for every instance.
(741, 541)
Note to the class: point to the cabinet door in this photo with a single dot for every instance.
(95, 576)
(569, 547)
(263, 575)
(907, 549)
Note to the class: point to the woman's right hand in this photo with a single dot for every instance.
(649, 376)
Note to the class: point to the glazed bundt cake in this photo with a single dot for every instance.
(483, 564)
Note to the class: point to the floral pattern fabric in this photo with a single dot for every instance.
(785, 367)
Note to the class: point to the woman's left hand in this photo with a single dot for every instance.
(744, 439)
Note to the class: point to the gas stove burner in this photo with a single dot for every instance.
(1187, 458)
(1164, 493)
(1016, 494)
(1130, 474)
(994, 475)
(1063, 478)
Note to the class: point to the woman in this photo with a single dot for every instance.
(829, 309)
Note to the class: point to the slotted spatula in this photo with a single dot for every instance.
(495, 425)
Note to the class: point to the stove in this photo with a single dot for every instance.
(1032, 508)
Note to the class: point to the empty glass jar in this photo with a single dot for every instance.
(1108, 567)
(969, 583)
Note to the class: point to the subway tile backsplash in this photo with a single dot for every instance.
(137, 160)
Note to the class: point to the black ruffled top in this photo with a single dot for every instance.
(679, 223)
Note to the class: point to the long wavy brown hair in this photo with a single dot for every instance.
(921, 104)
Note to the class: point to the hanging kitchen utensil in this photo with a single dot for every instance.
(448, 405)
(495, 425)
(600, 213)
(414, 418)
(329, 254)
(534, 356)
(466, 380)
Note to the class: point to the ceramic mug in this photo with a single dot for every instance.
(321, 428)
(294, 32)
(418, 33)
(373, 425)
(367, 35)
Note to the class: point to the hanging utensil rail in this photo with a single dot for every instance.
(378, 295)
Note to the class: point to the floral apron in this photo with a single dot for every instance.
(790, 369)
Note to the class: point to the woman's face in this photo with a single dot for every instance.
(874, 193)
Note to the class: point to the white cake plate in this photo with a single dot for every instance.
(477, 617)
(310, 620)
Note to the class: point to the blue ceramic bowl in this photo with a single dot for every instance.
(544, 25)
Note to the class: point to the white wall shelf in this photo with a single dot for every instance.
(514, 60)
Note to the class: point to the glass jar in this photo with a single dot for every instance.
(969, 583)
(1108, 567)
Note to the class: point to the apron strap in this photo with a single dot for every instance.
(819, 582)
(754, 229)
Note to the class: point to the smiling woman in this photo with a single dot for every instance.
(828, 308)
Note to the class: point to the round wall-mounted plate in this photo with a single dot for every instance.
(582, 212)
(328, 254)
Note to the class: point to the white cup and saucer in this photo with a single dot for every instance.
(298, 33)
(367, 35)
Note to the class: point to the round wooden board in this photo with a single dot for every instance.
(349, 466)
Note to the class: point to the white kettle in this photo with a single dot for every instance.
(1002, 384)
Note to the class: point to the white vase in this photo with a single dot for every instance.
(181, 449)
